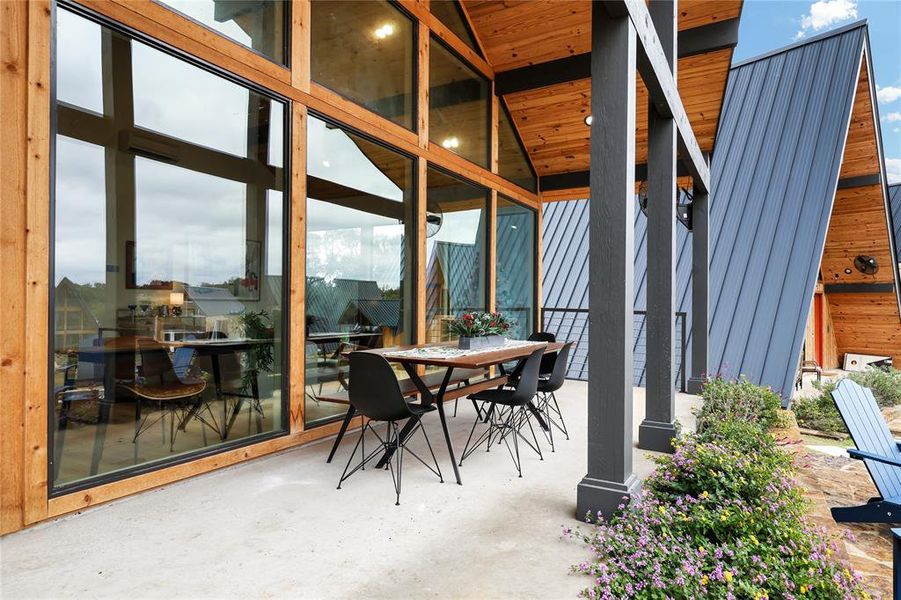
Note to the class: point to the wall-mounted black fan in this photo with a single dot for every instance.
(433, 220)
(867, 265)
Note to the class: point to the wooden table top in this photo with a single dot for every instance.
(480, 360)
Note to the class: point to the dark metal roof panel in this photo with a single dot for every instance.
(894, 195)
(775, 171)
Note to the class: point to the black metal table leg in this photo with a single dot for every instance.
(351, 411)
(450, 446)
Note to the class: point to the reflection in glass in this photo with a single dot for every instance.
(451, 14)
(359, 223)
(258, 24)
(455, 252)
(512, 162)
(167, 308)
(458, 105)
(365, 50)
(515, 292)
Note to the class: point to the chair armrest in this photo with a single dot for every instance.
(861, 455)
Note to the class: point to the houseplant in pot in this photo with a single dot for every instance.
(480, 330)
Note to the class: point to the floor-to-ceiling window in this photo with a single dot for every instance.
(366, 50)
(168, 272)
(515, 291)
(456, 259)
(458, 105)
(262, 25)
(360, 226)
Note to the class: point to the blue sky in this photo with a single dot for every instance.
(770, 24)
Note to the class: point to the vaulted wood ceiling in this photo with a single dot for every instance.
(551, 119)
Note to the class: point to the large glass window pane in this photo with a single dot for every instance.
(358, 287)
(168, 318)
(365, 50)
(451, 14)
(512, 162)
(458, 105)
(456, 225)
(258, 24)
(515, 291)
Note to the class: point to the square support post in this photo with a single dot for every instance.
(658, 429)
(611, 257)
(700, 265)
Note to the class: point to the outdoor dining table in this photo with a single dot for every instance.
(444, 355)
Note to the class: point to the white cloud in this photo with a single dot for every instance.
(893, 170)
(824, 13)
(892, 117)
(888, 93)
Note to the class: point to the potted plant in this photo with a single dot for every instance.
(480, 330)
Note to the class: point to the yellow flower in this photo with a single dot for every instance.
(754, 539)
(701, 549)
(803, 589)
(704, 580)
(722, 517)
(728, 576)
(661, 509)
(704, 494)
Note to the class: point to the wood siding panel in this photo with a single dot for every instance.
(13, 197)
(866, 324)
(861, 155)
(858, 226)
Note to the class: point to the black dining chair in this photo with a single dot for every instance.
(375, 394)
(547, 362)
(508, 412)
(547, 399)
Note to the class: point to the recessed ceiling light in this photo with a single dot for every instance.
(326, 163)
(588, 120)
(384, 31)
(451, 143)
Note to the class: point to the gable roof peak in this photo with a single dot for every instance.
(862, 23)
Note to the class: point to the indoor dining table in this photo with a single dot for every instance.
(446, 356)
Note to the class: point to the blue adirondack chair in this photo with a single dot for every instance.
(878, 450)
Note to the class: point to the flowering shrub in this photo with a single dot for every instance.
(738, 400)
(478, 324)
(720, 518)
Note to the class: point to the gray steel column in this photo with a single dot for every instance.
(658, 429)
(700, 264)
(611, 256)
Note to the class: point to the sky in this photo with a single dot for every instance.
(770, 24)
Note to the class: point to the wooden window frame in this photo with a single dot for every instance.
(26, 224)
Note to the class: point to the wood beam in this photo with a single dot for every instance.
(577, 179)
(700, 273)
(658, 430)
(699, 40)
(611, 257)
(858, 288)
(662, 89)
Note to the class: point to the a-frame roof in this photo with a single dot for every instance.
(895, 202)
(778, 163)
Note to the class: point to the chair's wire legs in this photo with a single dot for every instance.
(392, 443)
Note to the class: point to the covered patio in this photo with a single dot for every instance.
(278, 524)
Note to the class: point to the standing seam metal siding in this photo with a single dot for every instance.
(774, 174)
(894, 194)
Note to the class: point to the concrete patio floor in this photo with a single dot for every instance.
(277, 527)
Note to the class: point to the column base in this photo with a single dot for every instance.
(656, 436)
(593, 495)
(694, 385)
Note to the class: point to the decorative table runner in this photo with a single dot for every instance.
(438, 352)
